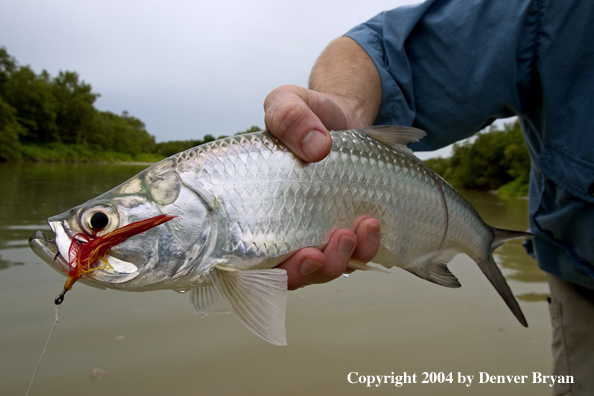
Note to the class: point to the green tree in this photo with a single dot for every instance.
(8, 65)
(171, 147)
(123, 133)
(516, 158)
(31, 97)
(253, 128)
(137, 139)
(494, 158)
(10, 131)
(208, 138)
(491, 160)
(74, 108)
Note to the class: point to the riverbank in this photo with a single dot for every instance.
(59, 152)
(518, 188)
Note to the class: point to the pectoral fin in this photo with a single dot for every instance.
(258, 298)
(208, 301)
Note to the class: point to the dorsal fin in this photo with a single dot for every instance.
(398, 137)
(394, 135)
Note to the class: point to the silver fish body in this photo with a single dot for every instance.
(245, 203)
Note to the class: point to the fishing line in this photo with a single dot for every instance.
(44, 348)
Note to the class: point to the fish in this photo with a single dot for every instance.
(216, 220)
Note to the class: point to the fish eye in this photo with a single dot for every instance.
(99, 219)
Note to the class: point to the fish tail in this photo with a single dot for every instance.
(493, 273)
(500, 236)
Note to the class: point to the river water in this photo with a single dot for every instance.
(116, 343)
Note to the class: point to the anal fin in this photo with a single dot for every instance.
(435, 269)
(361, 266)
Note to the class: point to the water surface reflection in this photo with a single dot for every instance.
(154, 344)
(30, 193)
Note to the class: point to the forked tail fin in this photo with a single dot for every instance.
(492, 272)
(500, 236)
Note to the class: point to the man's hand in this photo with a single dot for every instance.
(309, 265)
(298, 117)
(345, 93)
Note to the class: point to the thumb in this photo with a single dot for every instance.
(299, 118)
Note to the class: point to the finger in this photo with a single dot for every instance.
(338, 252)
(296, 116)
(302, 266)
(328, 110)
(289, 118)
(310, 266)
(368, 232)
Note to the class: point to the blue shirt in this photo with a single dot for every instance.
(451, 67)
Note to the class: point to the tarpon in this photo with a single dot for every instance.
(218, 218)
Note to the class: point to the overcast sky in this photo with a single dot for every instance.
(185, 68)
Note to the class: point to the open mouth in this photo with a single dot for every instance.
(47, 250)
(56, 253)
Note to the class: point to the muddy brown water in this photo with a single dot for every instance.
(370, 324)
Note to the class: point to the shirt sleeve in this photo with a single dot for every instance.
(451, 67)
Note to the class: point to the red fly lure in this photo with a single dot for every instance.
(86, 251)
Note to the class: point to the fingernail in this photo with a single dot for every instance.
(373, 231)
(312, 143)
(308, 266)
(346, 245)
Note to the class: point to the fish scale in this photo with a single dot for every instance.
(236, 207)
(297, 207)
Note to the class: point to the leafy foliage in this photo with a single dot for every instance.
(54, 118)
(253, 128)
(492, 159)
(10, 131)
(38, 109)
(123, 133)
(171, 147)
(73, 106)
(31, 100)
(48, 118)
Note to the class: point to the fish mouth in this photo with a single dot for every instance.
(46, 249)
(55, 252)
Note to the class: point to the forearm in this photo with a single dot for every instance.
(346, 73)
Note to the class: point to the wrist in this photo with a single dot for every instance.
(347, 75)
(354, 113)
